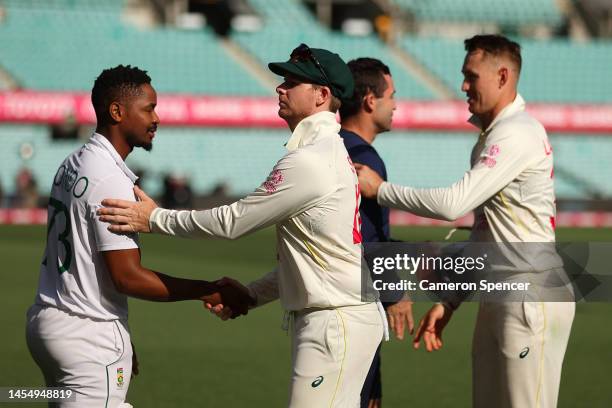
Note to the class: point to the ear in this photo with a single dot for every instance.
(369, 102)
(323, 95)
(503, 76)
(115, 110)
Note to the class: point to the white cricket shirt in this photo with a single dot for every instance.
(312, 196)
(73, 274)
(509, 186)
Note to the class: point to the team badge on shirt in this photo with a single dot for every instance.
(120, 377)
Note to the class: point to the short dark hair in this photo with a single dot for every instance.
(118, 83)
(496, 45)
(335, 102)
(368, 74)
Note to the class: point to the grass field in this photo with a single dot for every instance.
(189, 358)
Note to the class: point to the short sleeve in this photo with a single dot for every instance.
(365, 154)
(115, 186)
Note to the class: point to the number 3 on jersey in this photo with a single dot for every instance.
(60, 208)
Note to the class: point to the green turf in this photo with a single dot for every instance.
(188, 358)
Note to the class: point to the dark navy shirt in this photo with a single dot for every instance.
(374, 218)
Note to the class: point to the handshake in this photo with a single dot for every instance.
(229, 299)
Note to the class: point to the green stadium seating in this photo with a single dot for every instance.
(85, 6)
(564, 71)
(506, 13)
(553, 71)
(65, 49)
(582, 163)
(64, 44)
(44, 161)
(287, 23)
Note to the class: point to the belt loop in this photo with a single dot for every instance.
(383, 316)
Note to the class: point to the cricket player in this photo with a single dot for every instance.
(363, 117)
(518, 347)
(312, 196)
(77, 329)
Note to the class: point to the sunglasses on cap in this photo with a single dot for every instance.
(304, 53)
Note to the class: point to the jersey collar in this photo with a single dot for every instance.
(309, 128)
(101, 141)
(352, 139)
(518, 105)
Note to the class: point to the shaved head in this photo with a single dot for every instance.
(496, 49)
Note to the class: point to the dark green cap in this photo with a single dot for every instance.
(318, 66)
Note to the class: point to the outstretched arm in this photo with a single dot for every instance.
(296, 184)
(132, 279)
(502, 159)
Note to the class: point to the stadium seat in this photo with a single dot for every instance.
(506, 13)
(67, 48)
(553, 71)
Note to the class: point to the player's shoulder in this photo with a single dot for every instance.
(101, 170)
(521, 120)
(521, 129)
(303, 158)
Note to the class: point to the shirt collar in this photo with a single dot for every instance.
(307, 130)
(518, 105)
(101, 141)
(353, 139)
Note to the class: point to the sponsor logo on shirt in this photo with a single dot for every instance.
(273, 180)
(317, 381)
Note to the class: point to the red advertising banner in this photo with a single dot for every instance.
(217, 111)
(38, 216)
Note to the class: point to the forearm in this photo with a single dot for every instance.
(228, 221)
(157, 287)
(437, 203)
(265, 289)
(185, 224)
(502, 160)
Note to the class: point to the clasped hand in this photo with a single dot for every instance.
(231, 300)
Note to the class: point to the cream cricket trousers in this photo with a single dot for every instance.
(93, 358)
(331, 353)
(517, 353)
